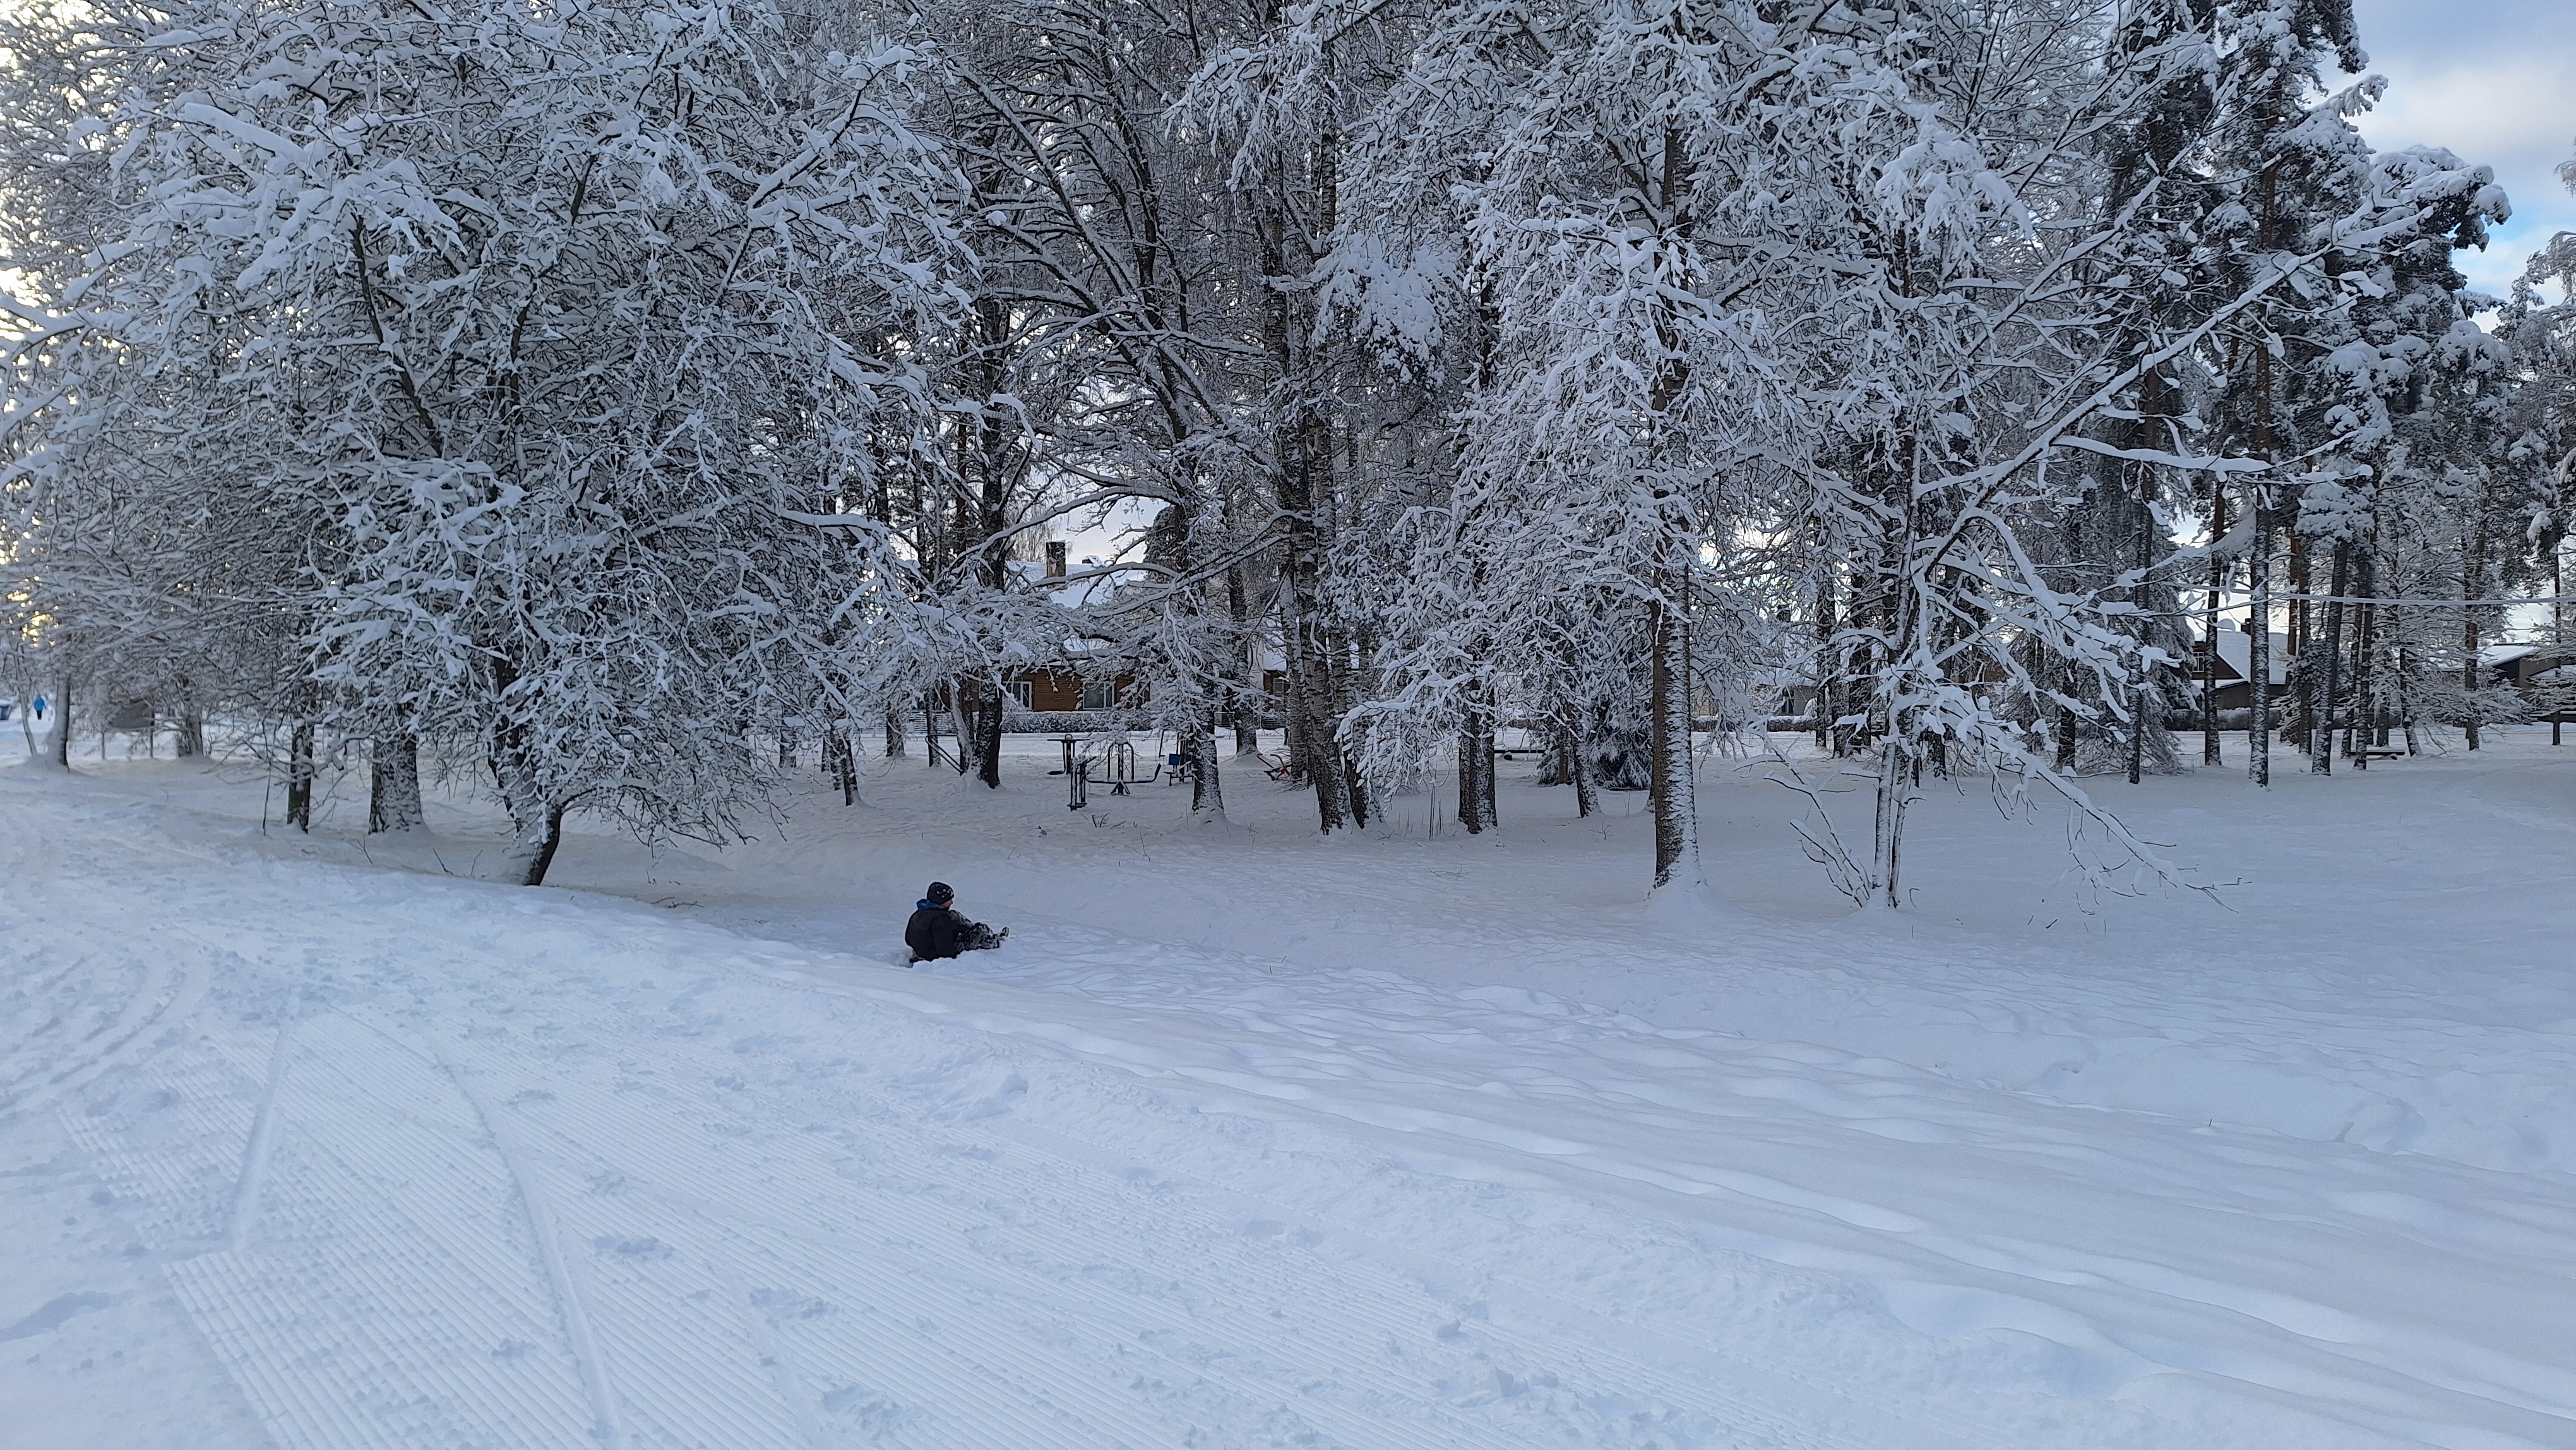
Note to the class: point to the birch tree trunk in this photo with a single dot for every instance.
(1895, 795)
(1675, 786)
(1675, 779)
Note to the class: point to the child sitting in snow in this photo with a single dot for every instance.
(938, 929)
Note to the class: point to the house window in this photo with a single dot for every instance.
(1024, 691)
(1099, 695)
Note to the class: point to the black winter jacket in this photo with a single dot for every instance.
(939, 931)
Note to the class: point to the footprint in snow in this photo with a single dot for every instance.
(55, 1313)
(620, 1246)
(871, 1409)
(782, 1305)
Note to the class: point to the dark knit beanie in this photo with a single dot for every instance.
(940, 893)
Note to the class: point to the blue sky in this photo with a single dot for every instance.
(2495, 81)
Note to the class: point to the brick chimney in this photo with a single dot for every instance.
(1055, 558)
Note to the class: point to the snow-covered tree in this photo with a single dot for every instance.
(534, 332)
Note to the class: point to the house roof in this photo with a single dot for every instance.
(1075, 595)
(2236, 656)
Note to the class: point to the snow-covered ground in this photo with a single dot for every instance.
(1251, 1139)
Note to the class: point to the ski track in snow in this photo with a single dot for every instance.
(437, 1164)
(394, 1283)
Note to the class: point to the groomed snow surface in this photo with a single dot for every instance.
(1249, 1138)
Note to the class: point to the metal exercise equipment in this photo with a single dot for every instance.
(1117, 764)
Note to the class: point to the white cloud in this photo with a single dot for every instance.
(2494, 81)
(2519, 113)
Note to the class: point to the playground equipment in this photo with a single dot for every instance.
(1121, 766)
(1076, 772)
(1116, 766)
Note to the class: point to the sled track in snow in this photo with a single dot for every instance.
(570, 1302)
(878, 1240)
(263, 1133)
(745, 1285)
(390, 1296)
(168, 983)
(478, 1196)
(1538, 1345)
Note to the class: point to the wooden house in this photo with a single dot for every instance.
(2236, 666)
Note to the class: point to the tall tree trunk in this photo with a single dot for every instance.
(2405, 664)
(1675, 785)
(2300, 622)
(1887, 841)
(841, 759)
(188, 726)
(1207, 789)
(1292, 735)
(1349, 663)
(2259, 737)
(2146, 695)
(1318, 751)
(2209, 748)
(536, 820)
(1585, 801)
(393, 784)
(539, 839)
(1675, 782)
(2258, 725)
(61, 745)
(962, 724)
(299, 776)
(988, 735)
(2473, 580)
(2143, 694)
(1476, 763)
(1244, 683)
(1302, 477)
(1828, 673)
(2365, 660)
(536, 812)
(894, 728)
(2321, 738)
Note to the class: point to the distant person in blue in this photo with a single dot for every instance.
(939, 930)
(38, 705)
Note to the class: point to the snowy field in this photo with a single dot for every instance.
(1252, 1139)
